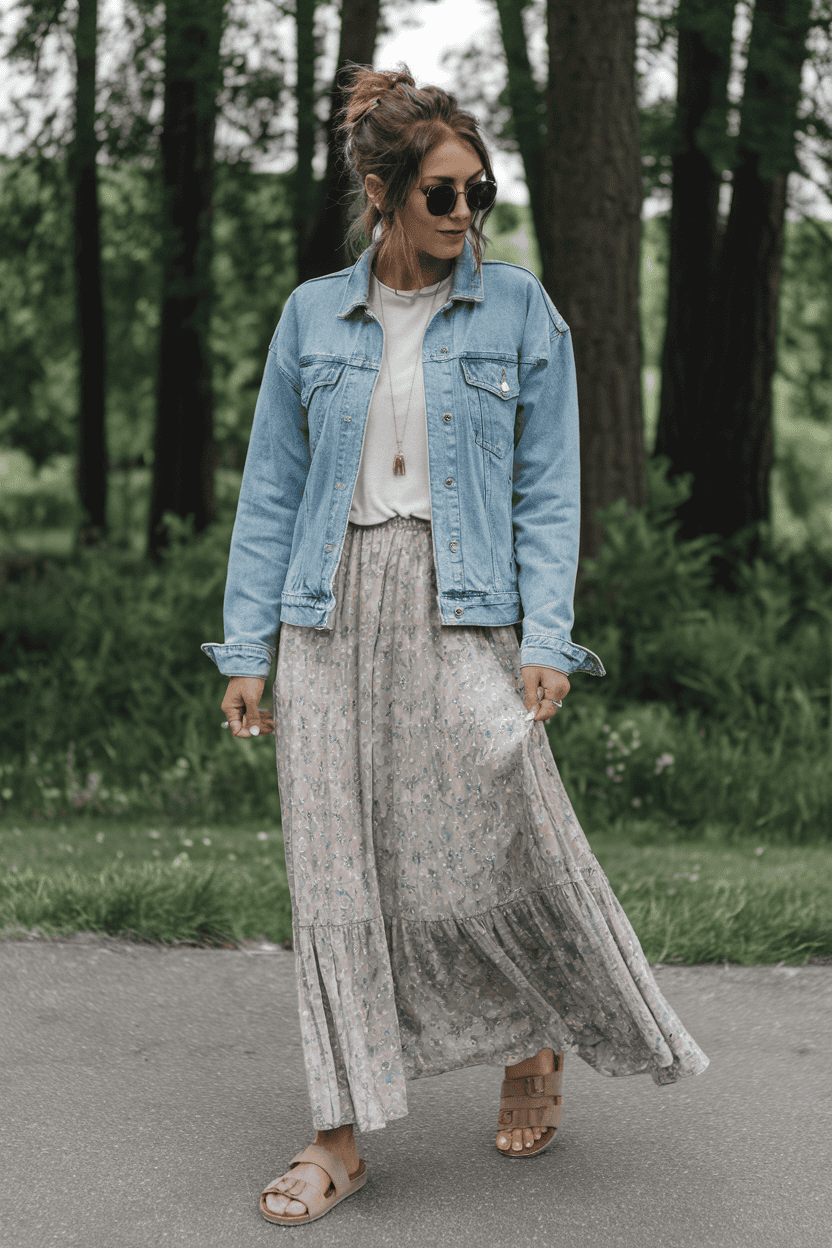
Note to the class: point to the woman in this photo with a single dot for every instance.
(397, 521)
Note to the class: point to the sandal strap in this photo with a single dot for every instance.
(523, 1114)
(330, 1162)
(533, 1085)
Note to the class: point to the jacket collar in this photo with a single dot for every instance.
(467, 282)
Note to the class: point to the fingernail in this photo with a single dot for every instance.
(255, 732)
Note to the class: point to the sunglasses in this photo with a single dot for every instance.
(442, 199)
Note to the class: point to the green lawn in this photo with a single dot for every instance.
(688, 903)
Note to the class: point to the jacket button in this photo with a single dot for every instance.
(347, 419)
(447, 417)
(444, 351)
(449, 480)
(339, 485)
(459, 611)
(329, 547)
(454, 546)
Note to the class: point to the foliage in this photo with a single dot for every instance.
(254, 273)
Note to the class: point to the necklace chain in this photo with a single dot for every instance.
(398, 461)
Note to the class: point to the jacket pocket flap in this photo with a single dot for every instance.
(493, 375)
(317, 373)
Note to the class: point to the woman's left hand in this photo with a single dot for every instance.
(544, 683)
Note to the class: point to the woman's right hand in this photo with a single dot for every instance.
(242, 709)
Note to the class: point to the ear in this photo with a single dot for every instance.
(374, 187)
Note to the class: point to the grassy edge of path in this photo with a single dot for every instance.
(688, 903)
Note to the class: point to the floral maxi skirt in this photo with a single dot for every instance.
(447, 910)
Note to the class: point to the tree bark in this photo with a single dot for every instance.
(527, 103)
(91, 470)
(731, 488)
(589, 245)
(703, 69)
(326, 252)
(303, 192)
(184, 456)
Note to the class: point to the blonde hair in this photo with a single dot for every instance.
(387, 126)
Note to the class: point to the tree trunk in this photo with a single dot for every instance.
(92, 438)
(527, 103)
(703, 69)
(326, 252)
(589, 245)
(183, 469)
(731, 489)
(303, 191)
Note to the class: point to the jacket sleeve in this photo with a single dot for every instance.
(277, 463)
(546, 508)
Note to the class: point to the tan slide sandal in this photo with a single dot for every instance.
(532, 1101)
(317, 1202)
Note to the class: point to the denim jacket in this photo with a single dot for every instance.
(502, 429)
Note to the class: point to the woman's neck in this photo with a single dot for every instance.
(390, 271)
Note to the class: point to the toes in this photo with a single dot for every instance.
(503, 1141)
(528, 1137)
(276, 1202)
(295, 1208)
(517, 1141)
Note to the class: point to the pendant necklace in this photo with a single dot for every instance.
(398, 461)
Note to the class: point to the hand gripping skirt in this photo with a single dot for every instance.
(447, 910)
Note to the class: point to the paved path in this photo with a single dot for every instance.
(149, 1093)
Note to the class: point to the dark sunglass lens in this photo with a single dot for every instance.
(481, 195)
(440, 200)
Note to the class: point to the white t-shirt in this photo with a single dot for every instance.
(378, 493)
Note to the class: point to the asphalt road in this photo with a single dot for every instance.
(148, 1094)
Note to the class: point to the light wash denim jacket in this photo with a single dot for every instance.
(502, 423)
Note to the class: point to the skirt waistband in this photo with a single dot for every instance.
(394, 522)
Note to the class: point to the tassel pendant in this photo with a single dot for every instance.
(398, 465)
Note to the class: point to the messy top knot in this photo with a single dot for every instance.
(387, 127)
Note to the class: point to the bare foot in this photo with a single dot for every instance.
(340, 1141)
(543, 1063)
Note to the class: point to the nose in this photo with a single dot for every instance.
(466, 211)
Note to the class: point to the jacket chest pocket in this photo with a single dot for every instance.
(318, 385)
(492, 388)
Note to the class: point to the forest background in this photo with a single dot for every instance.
(145, 255)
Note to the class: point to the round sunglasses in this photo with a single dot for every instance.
(442, 199)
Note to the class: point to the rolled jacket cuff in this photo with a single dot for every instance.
(236, 659)
(565, 656)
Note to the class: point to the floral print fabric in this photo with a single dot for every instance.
(447, 908)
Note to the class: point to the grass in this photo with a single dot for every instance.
(689, 903)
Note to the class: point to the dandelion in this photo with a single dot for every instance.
(100, 837)
(671, 890)
(262, 836)
(617, 779)
(7, 794)
(181, 860)
(155, 853)
(182, 764)
(620, 767)
(665, 760)
(611, 772)
(154, 834)
(606, 728)
(759, 850)
(188, 842)
(13, 869)
(636, 802)
(206, 840)
(693, 878)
